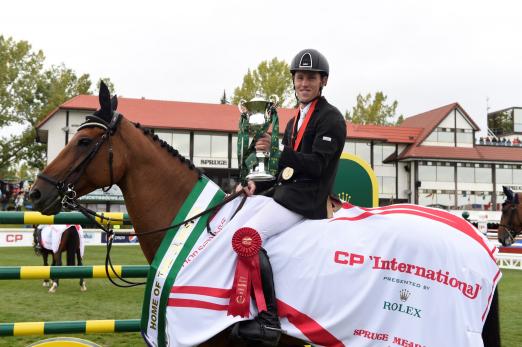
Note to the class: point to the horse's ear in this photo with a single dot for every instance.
(105, 99)
(508, 193)
(114, 103)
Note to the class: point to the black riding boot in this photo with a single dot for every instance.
(265, 328)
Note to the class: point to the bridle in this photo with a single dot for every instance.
(65, 186)
(67, 194)
(513, 205)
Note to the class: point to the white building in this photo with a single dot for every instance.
(432, 159)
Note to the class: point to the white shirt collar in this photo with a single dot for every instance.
(304, 110)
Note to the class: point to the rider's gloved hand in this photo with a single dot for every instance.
(249, 189)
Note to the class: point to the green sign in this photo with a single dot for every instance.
(356, 182)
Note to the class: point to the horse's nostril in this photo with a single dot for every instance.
(35, 195)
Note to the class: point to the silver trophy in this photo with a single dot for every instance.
(258, 113)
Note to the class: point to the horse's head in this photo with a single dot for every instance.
(86, 163)
(511, 218)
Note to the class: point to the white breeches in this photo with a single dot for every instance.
(272, 219)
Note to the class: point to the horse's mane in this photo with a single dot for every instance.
(174, 152)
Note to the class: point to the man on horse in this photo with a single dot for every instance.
(310, 152)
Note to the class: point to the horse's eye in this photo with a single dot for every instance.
(84, 141)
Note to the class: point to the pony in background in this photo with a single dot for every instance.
(55, 239)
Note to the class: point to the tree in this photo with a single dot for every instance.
(270, 77)
(374, 110)
(28, 92)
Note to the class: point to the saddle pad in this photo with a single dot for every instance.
(401, 275)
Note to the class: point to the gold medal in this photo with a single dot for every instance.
(288, 172)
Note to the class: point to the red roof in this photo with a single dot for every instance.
(392, 134)
(431, 119)
(171, 114)
(217, 117)
(479, 153)
(428, 121)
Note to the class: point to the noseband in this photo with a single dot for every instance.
(65, 186)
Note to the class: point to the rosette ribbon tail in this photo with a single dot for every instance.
(246, 242)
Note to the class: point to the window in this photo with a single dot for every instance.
(349, 147)
(474, 200)
(234, 163)
(446, 135)
(387, 185)
(504, 174)
(464, 136)
(466, 174)
(219, 146)
(181, 142)
(437, 198)
(363, 150)
(483, 174)
(211, 150)
(427, 173)
(517, 175)
(202, 145)
(445, 173)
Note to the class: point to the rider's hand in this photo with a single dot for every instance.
(263, 143)
(249, 189)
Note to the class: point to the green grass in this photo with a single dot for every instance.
(511, 308)
(27, 300)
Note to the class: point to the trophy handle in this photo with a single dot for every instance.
(274, 99)
(241, 106)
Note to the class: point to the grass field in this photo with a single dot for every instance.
(27, 300)
(22, 301)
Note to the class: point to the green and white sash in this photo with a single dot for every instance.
(169, 259)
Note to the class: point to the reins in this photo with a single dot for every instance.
(72, 204)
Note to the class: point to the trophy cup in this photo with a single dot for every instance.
(258, 113)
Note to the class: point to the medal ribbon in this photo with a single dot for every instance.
(303, 126)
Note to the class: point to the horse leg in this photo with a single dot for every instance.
(491, 330)
(57, 261)
(45, 256)
(83, 287)
(57, 258)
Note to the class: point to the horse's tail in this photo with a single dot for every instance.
(37, 237)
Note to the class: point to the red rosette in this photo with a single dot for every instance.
(246, 242)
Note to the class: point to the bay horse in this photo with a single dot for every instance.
(69, 242)
(510, 224)
(155, 181)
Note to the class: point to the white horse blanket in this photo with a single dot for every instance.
(52, 235)
(401, 275)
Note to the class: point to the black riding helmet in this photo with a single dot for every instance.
(310, 60)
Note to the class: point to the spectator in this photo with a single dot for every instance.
(508, 142)
(488, 141)
(516, 141)
(481, 141)
(19, 201)
(494, 141)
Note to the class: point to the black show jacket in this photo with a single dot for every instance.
(314, 163)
